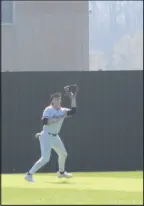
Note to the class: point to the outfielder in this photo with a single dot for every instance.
(52, 119)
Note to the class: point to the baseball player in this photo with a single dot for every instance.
(52, 119)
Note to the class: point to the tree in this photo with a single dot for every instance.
(110, 20)
(128, 53)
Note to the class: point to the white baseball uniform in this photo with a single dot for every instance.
(49, 139)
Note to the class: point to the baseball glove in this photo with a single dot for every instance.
(71, 89)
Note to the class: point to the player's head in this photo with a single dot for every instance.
(56, 100)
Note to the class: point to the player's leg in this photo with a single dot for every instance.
(59, 148)
(45, 147)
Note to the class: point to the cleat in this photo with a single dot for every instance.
(29, 178)
(65, 174)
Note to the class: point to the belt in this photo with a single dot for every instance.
(52, 134)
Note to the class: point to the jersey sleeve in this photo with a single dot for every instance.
(46, 113)
(69, 112)
(66, 109)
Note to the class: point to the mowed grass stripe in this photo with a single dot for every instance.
(83, 188)
(79, 183)
(70, 196)
(128, 174)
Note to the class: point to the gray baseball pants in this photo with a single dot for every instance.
(48, 142)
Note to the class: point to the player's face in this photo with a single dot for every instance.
(56, 101)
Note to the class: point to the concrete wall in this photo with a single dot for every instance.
(105, 134)
(47, 36)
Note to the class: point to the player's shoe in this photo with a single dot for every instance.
(64, 174)
(29, 178)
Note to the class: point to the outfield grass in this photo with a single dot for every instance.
(83, 188)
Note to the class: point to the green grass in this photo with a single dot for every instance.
(83, 188)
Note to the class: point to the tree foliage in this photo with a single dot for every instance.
(116, 34)
(128, 53)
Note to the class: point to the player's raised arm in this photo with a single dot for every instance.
(72, 96)
(73, 108)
